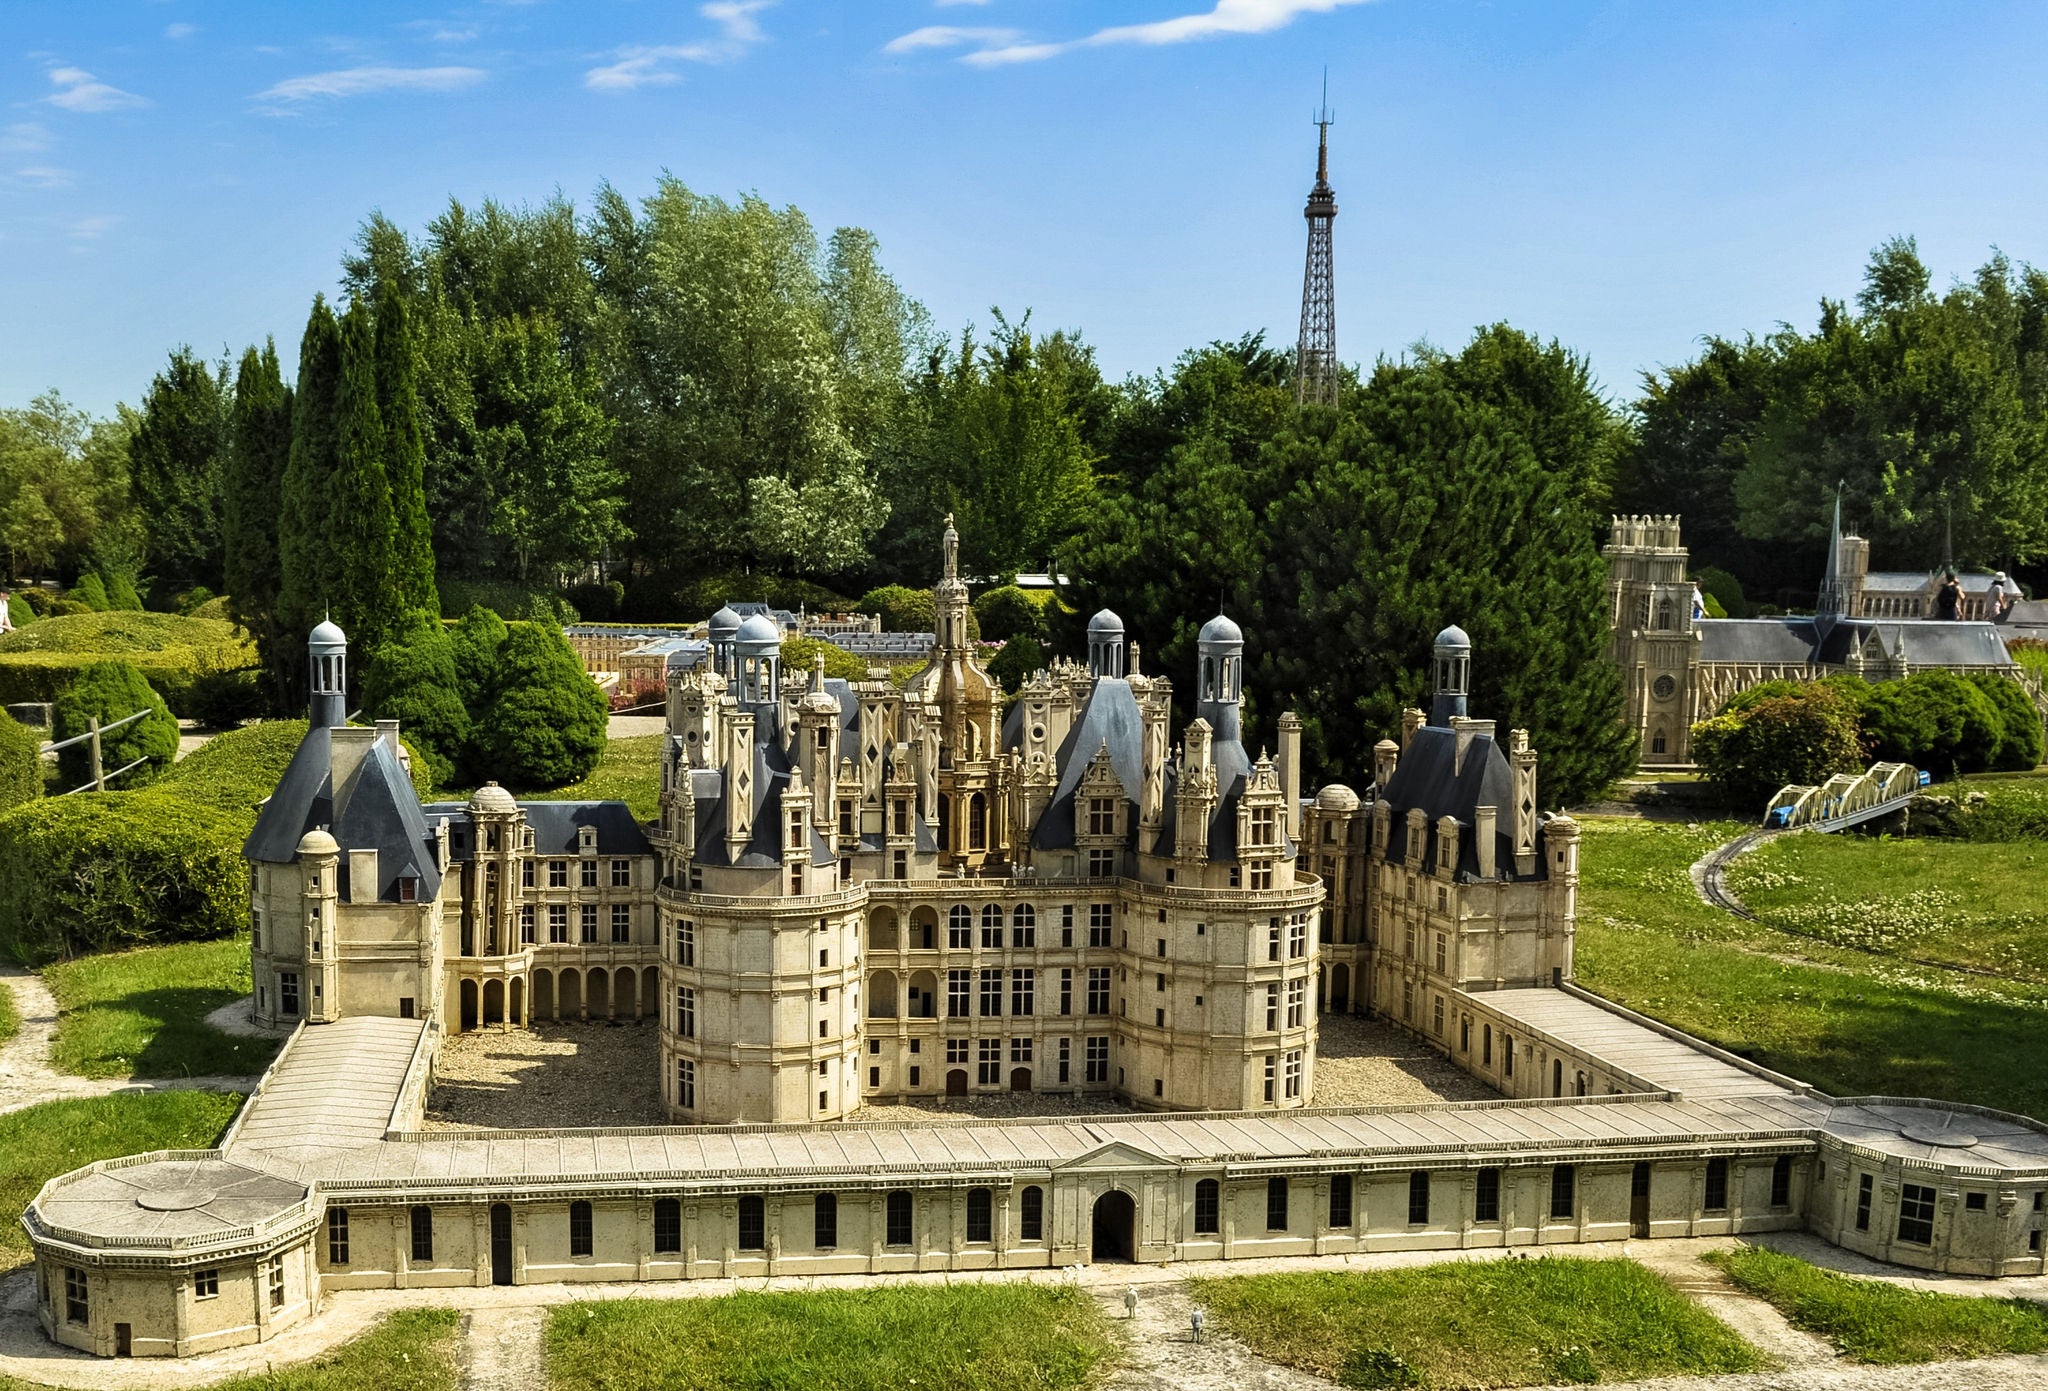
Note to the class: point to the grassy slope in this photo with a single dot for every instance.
(142, 1013)
(1869, 1321)
(963, 1338)
(629, 772)
(413, 1350)
(40, 1142)
(1850, 1021)
(1496, 1323)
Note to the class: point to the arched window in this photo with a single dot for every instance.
(1657, 740)
(668, 1226)
(753, 1224)
(1208, 1196)
(1664, 613)
(1024, 926)
(899, 1233)
(977, 822)
(991, 925)
(1032, 1226)
(980, 1223)
(580, 1241)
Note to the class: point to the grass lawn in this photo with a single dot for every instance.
(957, 1338)
(629, 772)
(40, 1142)
(409, 1351)
(1471, 1323)
(1851, 1021)
(142, 1013)
(1869, 1321)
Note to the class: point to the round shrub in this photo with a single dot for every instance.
(121, 594)
(20, 613)
(41, 600)
(2021, 738)
(217, 608)
(1006, 612)
(546, 725)
(90, 591)
(1719, 584)
(100, 871)
(111, 691)
(412, 680)
(475, 643)
(1802, 736)
(1020, 656)
(902, 609)
(799, 654)
(1934, 720)
(21, 763)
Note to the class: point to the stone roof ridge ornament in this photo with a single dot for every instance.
(950, 551)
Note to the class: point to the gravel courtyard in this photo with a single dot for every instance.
(561, 1075)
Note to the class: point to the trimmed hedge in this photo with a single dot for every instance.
(40, 662)
(21, 763)
(112, 691)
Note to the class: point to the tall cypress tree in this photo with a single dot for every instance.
(366, 602)
(405, 456)
(175, 465)
(252, 494)
(305, 533)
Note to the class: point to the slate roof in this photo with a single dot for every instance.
(376, 809)
(1428, 778)
(1233, 769)
(1110, 719)
(1795, 641)
(555, 827)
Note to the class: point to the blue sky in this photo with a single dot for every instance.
(1624, 176)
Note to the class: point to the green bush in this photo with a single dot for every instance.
(192, 600)
(597, 603)
(1020, 656)
(1006, 612)
(20, 613)
(223, 699)
(90, 591)
(1934, 720)
(2021, 738)
(798, 654)
(412, 680)
(41, 661)
(503, 596)
(117, 869)
(215, 609)
(121, 595)
(21, 763)
(546, 724)
(111, 691)
(902, 609)
(474, 645)
(1803, 735)
(40, 601)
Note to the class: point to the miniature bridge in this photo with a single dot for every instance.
(1844, 800)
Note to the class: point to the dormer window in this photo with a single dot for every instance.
(1263, 827)
(1101, 816)
(408, 889)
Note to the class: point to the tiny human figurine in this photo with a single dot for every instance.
(1948, 601)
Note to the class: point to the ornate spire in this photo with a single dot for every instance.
(1832, 602)
(1315, 365)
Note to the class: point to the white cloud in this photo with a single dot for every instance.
(180, 31)
(79, 90)
(356, 82)
(994, 48)
(91, 228)
(949, 36)
(25, 137)
(43, 176)
(647, 65)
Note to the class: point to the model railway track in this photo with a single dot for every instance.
(1710, 875)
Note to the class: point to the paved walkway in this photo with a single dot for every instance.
(26, 1077)
(501, 1333)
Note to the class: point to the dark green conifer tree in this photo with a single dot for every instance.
(174, 463)
(252, 493)
(364, 602)
(305, 530)
(545, 727)
(412, 680)
(405, 457)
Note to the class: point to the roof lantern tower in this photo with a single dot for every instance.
(1453, 653)
(1219, 677)
(327, 654)
(1105, 645)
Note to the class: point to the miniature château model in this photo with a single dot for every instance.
(861, 893)
(1678, 669)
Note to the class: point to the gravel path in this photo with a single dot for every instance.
(1368, 1062)
(550, 1075)
(26, 1077)
(502, 1348)
(1160, 1353)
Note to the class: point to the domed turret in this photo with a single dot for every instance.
(327, 655)
(1453, 653)
(1105, 644)
(1337, 797)
(492, 798)
(725, 624)
(1219, 676)
(1221, 631)
(318, 842)
(757, 651)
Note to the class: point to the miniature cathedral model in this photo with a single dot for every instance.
(857, 891)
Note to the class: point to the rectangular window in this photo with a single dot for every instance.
(526, 874)
(959, 993)
(1916, 1214)
(992, 992)
(1563, 1182)
(1101, 917)
(1439, 953)
(337, 1236)
(526, 925)
(1716, 1196)
(1340, 1200)
(686, 1084)
(1101, 816)
(980, 1215)
(1023, 992)
(622, 922)
(1276, 1204)
(1973, 1202)
(1292, 1075)
(1781, 1181)
(1098, 990)
(558, 922)
(1863, 1188)
(1020, 1050)
(1096, 1060)
(686, 1012)
(1272, 1073)
(77, 1303)
(581, 1240)
(668, 1226)
(590, 874)
(1272, 1008)
(686, 942)
(622, 874)
(423, 1233)
(288, 993)
(1066, 990)
(277, 1284)
(1024, 926)
(1273, 941)
(1297, 1003)
(558, 874)
(1101, 864)
(825, 1221)
(1418, 1198)
(1207, 1219)
(589, 921)
(992, 935)
(753, 1223)
(989, 1063)
(1437, 1020)
(1297, 939)
(256, 929)
(1031, 1216)
(899, 1215)
(1066, 1058)
(1507, 1060)
(206, 1283)
(1486, 1197)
